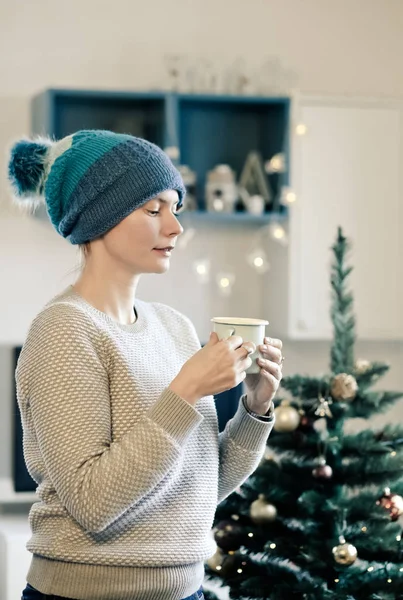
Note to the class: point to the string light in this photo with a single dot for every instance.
(278, 233)
(364, 529)
(370, 569)
(393, 453)
(336, 580)
(389, 581)
(225, 283)
(291, 197)
(276, 164)
(250, 534)
(257, 259)
(202, 268)
(288, 196)
(301, 129)
(272, 546)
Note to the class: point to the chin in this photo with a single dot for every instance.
(161, 267)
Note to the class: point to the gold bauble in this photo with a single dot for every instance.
(344, 387)
(216, 560)
(287, 418)
(262, 512)
(345, 553)
(361, 366)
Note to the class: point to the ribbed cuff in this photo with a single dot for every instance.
(247, 431)
(176, 416)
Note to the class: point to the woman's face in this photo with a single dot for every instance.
(135, 241)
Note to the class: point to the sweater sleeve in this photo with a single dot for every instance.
(241, 444)
(241, 448)
(63, 394)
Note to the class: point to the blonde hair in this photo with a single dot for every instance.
(84, 250)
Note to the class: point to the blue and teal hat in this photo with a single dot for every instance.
(90, 180)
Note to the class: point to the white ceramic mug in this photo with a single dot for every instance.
(250, 330)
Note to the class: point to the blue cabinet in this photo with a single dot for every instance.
(204, 130)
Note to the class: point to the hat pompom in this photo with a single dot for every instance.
(27, 169)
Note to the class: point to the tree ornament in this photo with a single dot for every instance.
(392, 502)
(287, 418)
(215, 562)
(306, 422)
(344, 553)
(344, 387)
(322, 471)
(262, 512)
(228, 534)
(225, 564)
(361, 366)
(323, 410)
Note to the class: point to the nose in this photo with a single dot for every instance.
(173, 225)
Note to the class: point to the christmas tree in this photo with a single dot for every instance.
(321, 517)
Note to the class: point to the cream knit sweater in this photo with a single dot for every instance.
(129, 474)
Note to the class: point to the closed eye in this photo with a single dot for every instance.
(157, 212)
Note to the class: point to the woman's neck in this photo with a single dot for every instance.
(113, 297)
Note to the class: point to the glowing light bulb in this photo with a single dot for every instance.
(290, 197)
(301, 129)
(258, 261)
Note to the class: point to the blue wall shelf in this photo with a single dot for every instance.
(206, 129)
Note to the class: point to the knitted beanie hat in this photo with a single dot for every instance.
(90, 180)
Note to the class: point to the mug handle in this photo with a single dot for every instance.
(230, 332)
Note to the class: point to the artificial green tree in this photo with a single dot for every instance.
(320, 519)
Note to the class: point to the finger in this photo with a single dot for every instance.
(214, 337)
(272, 353)
(234, 341)
(246, 349)
(271, 367)
(245, 364)
(273, 342)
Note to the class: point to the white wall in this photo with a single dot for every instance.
(345, 47)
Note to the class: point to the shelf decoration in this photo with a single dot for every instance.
(221, 190)
(203, 75)
(190, 180)
(253, 182)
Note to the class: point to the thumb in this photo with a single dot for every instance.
(213, 338)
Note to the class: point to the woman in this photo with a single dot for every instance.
(116, 395)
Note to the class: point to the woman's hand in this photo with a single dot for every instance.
(220, 365)
(262, 387)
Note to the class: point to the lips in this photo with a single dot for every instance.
(166, 248)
